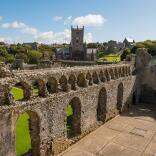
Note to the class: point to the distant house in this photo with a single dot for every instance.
(91, 54)
(129, 42)
(62, 54)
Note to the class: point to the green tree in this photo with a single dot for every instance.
(126, 52)
(34, 56)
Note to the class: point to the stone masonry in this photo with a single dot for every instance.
(98, 93)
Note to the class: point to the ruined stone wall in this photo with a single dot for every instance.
(57, 88)
(146, 76)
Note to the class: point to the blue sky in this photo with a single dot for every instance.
(49, 21)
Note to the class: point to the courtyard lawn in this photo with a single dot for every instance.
(23, 140)
(69, 117)
(17, 93)
(111, 57)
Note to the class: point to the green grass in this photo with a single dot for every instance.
(17, 93)
(69, 117)
(111, 57)
(23, 140)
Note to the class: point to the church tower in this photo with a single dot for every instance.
(78, 50)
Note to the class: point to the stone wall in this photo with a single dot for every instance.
(58, 88)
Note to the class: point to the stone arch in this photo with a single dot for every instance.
(21, 91)
(81, 81)
(111, 73)
(39, 88)
(72, 81)
(107, 75)
(101, 76)
(120, 92)
(122, 71)
(63, 84)
(89, 78)
(116, 73)
(102, 104)
(52, 85)
(33, 127)
(129, 70)
(74, 118)
(95, 78)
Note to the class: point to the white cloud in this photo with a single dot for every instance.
(6, 39)
(14, 25)
(68, 20)
(88, 37)
(1, 18)
(57, 18)
(89, 20)
(43, 37)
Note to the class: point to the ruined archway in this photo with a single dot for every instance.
(81, 81)
(73, 123)
(52, 85)
(39, 88)
(120, 97)
(101, 107)
(27, 134)
(63, 84)
(21, 91)
(72, 81)
(95, 78)
(101, 76)
(89, 78)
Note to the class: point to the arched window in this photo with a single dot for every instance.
(52, 85)
(72, 82)
(120, 97)
(81, 81)
(21, 91)
(27, 134)
(39, 88)
(63, 84)
(95, 78)
(73, 123)
(101, 107)
(89, 78)
(101, 76)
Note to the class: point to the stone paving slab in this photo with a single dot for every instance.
(131, 134)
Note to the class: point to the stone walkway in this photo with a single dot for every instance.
(131, 134)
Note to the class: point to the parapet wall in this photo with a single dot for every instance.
(98, 92)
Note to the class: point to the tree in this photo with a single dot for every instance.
(34, 56)
(126, 52)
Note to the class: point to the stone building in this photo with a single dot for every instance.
(77, 45)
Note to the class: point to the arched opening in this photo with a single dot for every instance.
(39, 88)
(95, 78)
(63, 84)
(101, 76)
(101, 107)
(107, 75)
(52, 85)
(81, 81)
(27, 134)
(89, 78)
(111, 73)
(120, 97)
(21, 91)
(72, 82)
(116, 73)
(73, 124)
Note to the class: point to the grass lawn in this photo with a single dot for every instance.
(69, 117)
(23, 140)
(111, 57)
